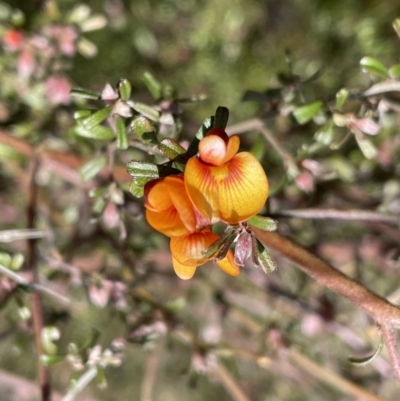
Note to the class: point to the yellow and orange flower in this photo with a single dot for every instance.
(223, 184)
(168, 207)
(187, 254)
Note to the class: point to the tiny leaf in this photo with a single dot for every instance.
(366, 146)
(125, 89)
(92, 168)
(201, 133)
(341, 98)
(394, 71)
(262, 258)
(218, 249)
(221, 117)
(122, 135)
(368, 359)
(98, 132)
(50, 334)
(136, 190)
(79, 92)
(263, 223)
(326, 133)
(374, 66)
(49, 360)
(141, 126)
(153, 85)
(144, 172)
(171, 148)
(96, 118)
(305, 113)
(145, 110)
(81, 114)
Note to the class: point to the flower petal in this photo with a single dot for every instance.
(188, 249)
(184, 272)
(233, 192)
(228, 265)
(167, 222)
(212, 150)
(232, 147)
(155, 198)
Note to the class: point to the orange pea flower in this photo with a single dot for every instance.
(187, 254)
(168, 207)
(223, 184)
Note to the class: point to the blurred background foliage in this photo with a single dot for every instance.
(219, 49)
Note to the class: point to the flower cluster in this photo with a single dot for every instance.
(217, 184)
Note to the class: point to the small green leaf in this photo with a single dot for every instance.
(366, 146)
(101, 378)
(141, 126)
(341, 98)
(99, 206)
(171, 148)
(122, 135)
(221, 117)
(145, 110)
(5, 260)
(136, 190)
(99, 132)
(81, 114)
(340, 120)
(261, 257)
(208, 123)
(96, 118)
(144, 172)
(394, 71)
(367, 360)
(396, 26)
(305, 113)
(48, 335)
(125, 89)
(263, 223)
(92, 168)
(49, 360)
(17, 261)
(374, 66)
(79, 92)
(326, 133)
(153, 85)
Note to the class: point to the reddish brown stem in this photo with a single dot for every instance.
(37, 312)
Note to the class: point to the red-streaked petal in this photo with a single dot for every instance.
(184, 272)
(228, 265)
(156, 197)
(188, 249)
(167, 222)
(212, 150)
(232, 192)
(232, 147)
(181, 202)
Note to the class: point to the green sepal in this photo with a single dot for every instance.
(125, 89)
(92, 168)
(341, 97)
(152, 85)
(221, 117)
(122, 134)
(368, 359)
(171, 149)
(79, 92)
(208, 123)
(263, 223)
(304, 114)
(218, 249)
(98, 132)
(145, 110)
(374, 66)
(96, 118)
(143, 172)
(261, 257)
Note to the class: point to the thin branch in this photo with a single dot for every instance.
(83, 381)
(150, 374)
(382, 311)
(357, 215)
(37, 312)
(230, 385)
(390, 338)
(20, 234)
(330, 377)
